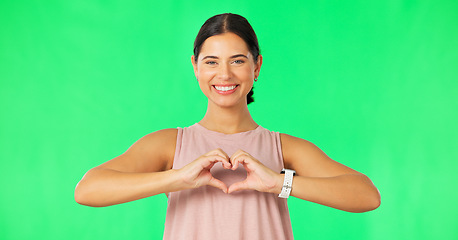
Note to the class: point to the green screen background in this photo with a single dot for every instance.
(372, 83)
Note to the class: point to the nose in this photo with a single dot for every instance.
(224, 72)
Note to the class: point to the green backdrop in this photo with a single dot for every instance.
(372, 83)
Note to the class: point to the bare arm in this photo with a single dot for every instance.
(322, 180)
(143, 170)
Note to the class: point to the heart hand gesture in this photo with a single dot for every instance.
(259, 177)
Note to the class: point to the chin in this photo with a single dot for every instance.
(228, 103)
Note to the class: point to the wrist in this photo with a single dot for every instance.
(177, 181)
(279, 178)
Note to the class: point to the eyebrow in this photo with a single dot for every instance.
(233, 56)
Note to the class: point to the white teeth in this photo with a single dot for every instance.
(219, 88)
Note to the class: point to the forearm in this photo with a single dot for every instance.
(104, 187)
(349, 192)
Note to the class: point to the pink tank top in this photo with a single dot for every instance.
(206, 213)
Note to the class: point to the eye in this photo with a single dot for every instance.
(238, 61)
(210, 62)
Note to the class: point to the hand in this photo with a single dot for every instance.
(259, 177)
(197, 173)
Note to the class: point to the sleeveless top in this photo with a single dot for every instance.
(207, 213)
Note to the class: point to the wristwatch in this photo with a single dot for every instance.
(287, 182)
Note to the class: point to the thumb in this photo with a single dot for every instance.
(243, 185)
(217, 184)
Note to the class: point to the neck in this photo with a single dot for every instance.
(228, 120)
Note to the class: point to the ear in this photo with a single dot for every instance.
(194, 65)
(257, 68)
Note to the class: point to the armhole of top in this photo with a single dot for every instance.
(279, 148)
(178, 145)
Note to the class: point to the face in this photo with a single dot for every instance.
(226, 69)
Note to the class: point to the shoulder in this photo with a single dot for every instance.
(161, 136)
(291, 148)
(308, 159)
(294, 144)
(161, 139)
(299, 152)
(153, 152)
(161, 143)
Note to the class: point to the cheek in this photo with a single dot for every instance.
(245, 74)
(205, 73)
(204, 84)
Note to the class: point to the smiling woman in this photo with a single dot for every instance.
(227, 172)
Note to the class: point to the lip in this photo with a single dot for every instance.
(225, 85)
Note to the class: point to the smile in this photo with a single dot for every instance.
(225, 88)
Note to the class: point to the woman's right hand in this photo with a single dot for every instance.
(197, 173)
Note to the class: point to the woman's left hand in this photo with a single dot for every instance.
(259, 177)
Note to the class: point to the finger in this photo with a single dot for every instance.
(209, 161)
(243, 185)
(217, 184)
(226, 163)
(210, 166)
(241, 158)
(235, 163)
(218, 152)
(237, 153)
(214, 159)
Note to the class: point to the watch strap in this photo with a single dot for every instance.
(287, 183)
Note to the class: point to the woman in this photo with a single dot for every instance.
(223, 175)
